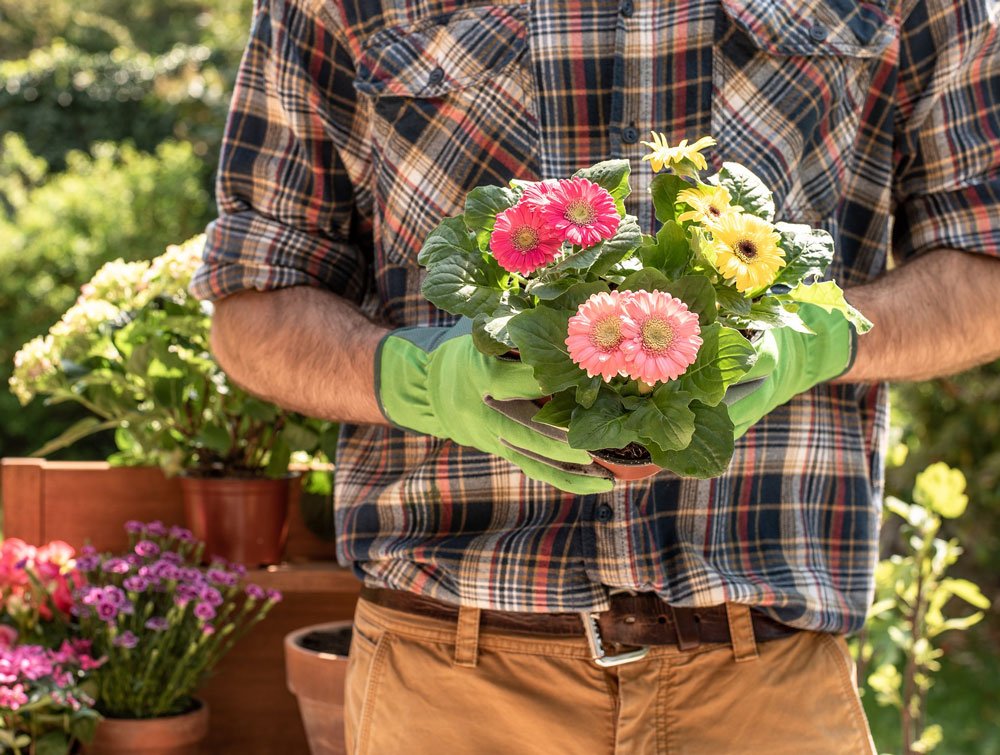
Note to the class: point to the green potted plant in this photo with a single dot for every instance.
(134, 350)
(161, 622)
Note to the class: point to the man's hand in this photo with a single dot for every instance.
(789, 362)
(434, 381)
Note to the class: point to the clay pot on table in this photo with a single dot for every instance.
(166, 735)
(315, 666)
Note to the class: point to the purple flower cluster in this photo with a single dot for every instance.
(33, 671)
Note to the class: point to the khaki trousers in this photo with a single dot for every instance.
(421, 686)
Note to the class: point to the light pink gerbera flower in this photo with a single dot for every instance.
(582, 211)
(595, 336)
(660, 336)
(522, 241)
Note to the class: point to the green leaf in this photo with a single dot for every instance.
(808, 253)
(464, 285)
(647, 279)
(52, 743)
(723, 358)
(602, 255)
(450, 238)
(669, 252)
(558, 411)
(281, 455)
(770, 312)
(300, 438)
(215, 437)
(77, 431)
(611, 175)
(578, 293)
(698, 293)
(664, 189)
(746, 190)
(482, 206)
(489, 333)
(711, 448)
(603, 425)
(664, 418)
(967, 591)
(732, 301)
(586, 393)
(830, 297)
(540, 336)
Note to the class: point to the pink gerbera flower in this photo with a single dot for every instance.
(660, 336)
(522, 241)
(537, 195)
(596, 337)
(582, 211)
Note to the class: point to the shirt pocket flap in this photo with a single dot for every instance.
(443, 54)
(815, 27)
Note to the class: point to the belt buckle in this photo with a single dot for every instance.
(597, 653)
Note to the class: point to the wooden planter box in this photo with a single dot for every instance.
(252, 712)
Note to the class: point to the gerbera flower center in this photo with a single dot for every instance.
(525, 238)
(580, 212)
(713, 210)
(607, 333)
(657, 335)
(746, 250)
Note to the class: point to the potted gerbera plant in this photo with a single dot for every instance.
(162, 621)
(134, 350)
(637, 338)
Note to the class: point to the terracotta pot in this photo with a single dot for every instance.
(315, 665)
(242, 520)
(168, 735)
(626, 470)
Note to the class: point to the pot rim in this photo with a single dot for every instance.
(624, 462)
(191, 474)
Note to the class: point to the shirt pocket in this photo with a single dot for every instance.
(451, 103)
(789, 83)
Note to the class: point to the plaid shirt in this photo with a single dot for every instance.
(357, 126)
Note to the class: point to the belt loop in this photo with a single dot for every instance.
(467, 637)
(741, 632)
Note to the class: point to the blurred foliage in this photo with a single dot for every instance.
(60, 228)
(898, 653)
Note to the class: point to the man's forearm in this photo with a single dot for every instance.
(303, 348)
(935, 316)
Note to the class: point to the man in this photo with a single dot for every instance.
(668, 615)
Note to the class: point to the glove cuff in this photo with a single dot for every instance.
(401, 369)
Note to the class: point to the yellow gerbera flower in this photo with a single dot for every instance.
(708, 203)
(680, 158)
(747, 251)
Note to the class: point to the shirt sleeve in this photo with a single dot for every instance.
(947, 150)
(287, 203)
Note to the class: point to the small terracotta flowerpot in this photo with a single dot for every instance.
(624, 469)
(167, 735)
(315, 666)
(241, 520)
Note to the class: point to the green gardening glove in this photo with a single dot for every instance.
(790, 363)
(434, 381)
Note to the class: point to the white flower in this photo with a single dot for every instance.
(33, 365)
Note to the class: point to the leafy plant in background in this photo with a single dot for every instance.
(161, 620)
(134, 350)
(912, 591)
(58, 229)
(636, 338)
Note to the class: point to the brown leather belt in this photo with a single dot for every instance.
(633, 620)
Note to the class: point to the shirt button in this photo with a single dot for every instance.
(630, 135)
(436, 77)
(627, 8)
(605, 513)
(818, 32)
